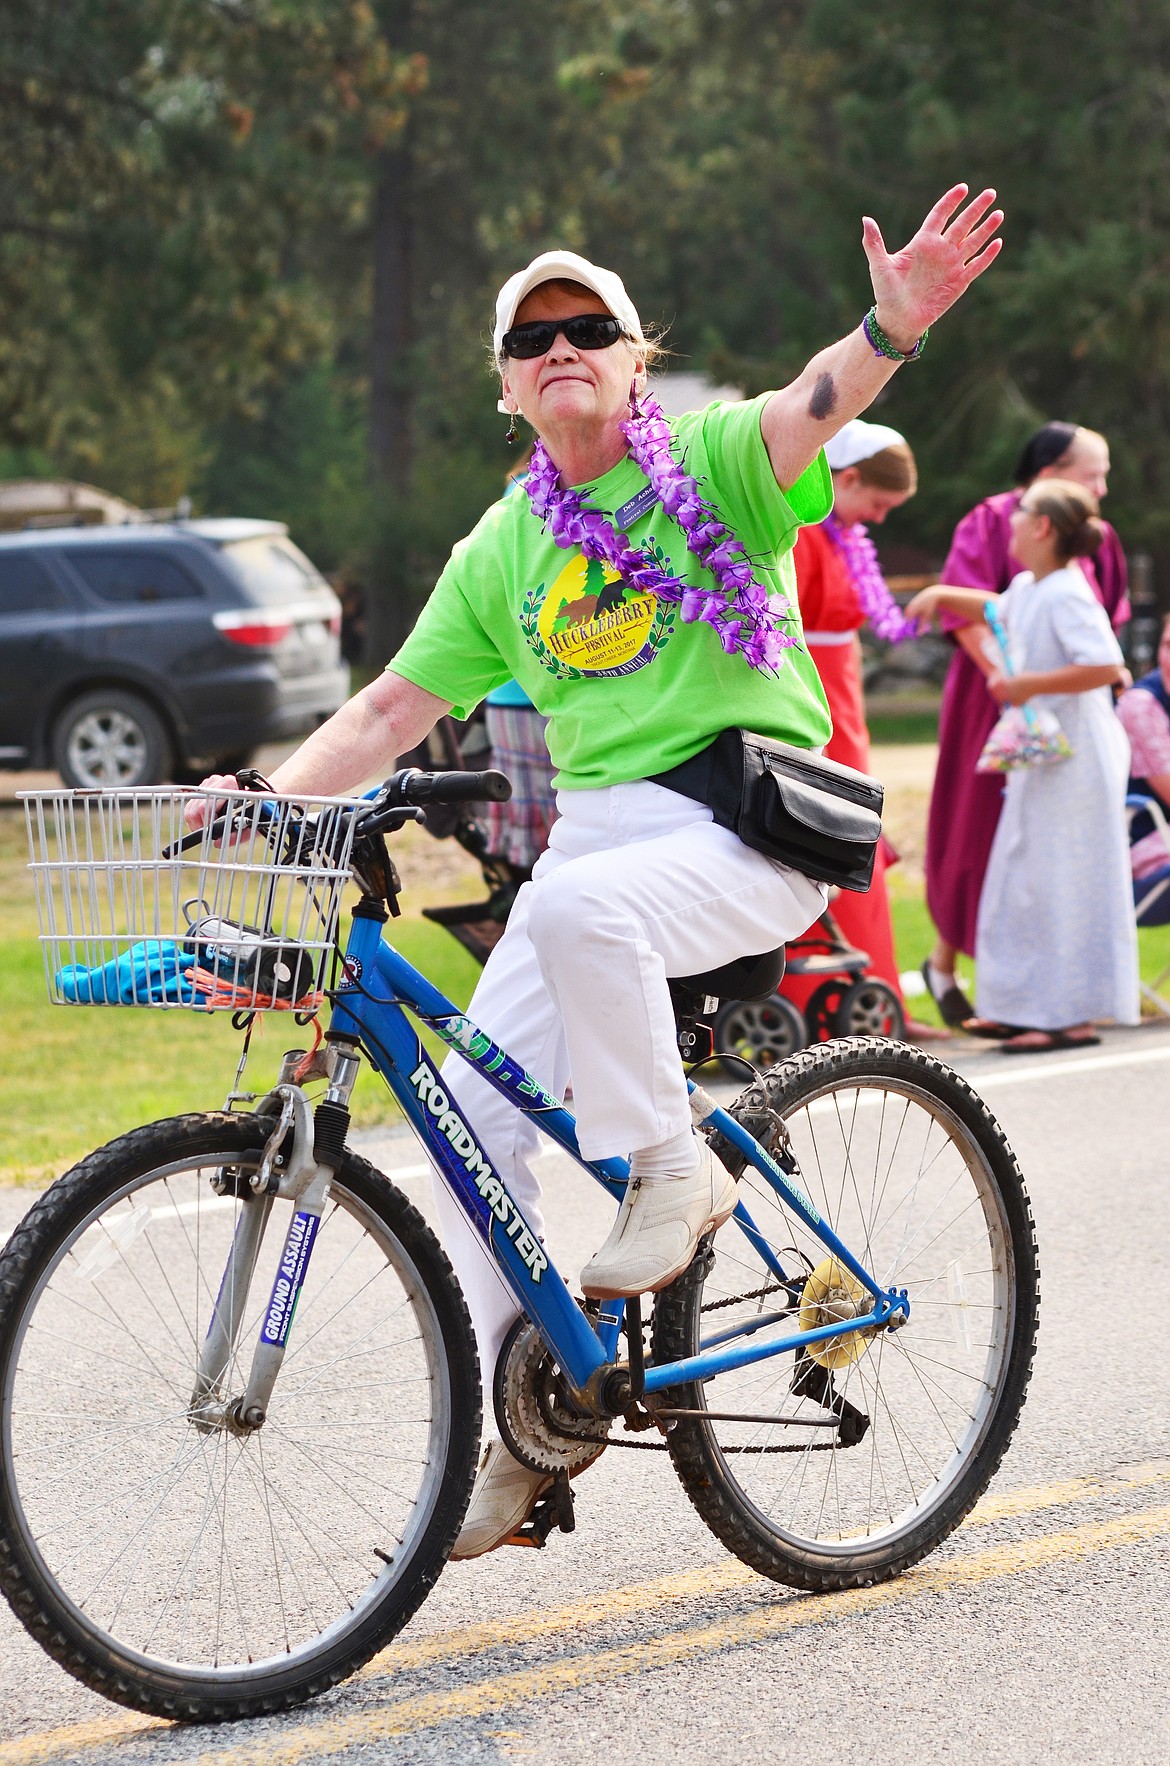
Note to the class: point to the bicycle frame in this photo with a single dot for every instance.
(378, 986)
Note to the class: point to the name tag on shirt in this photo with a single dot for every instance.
(635, 508)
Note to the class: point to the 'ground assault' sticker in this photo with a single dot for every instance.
(289, 1277)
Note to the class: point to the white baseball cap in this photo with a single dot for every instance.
(565, 266)
(857, 441)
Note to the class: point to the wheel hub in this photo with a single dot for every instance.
(833, 1295)
(108, 749)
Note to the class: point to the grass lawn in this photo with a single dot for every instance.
(918, 725)
(74, 1078)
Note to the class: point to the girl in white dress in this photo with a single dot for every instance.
(1056, 947)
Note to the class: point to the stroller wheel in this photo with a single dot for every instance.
(870, 1008)
(821, 1007)
(760, 1031)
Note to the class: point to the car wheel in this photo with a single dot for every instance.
(110, 740)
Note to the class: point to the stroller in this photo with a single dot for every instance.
(821, 991)
(1148, 827)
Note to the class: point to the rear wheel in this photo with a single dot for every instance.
(110, 740)
(196, 1571)
(852, 1459)
(867, 1007)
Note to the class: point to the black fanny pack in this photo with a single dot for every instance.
(819, 817)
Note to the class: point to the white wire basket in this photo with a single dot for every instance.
(136, 909)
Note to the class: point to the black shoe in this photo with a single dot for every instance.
(953, 1004)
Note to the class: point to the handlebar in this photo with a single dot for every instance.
(419, 788)
(411, 789)
(394, 802)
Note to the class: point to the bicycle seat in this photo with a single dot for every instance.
(747, 978)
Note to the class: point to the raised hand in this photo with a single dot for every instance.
(915, 286)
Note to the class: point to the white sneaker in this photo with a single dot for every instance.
(501, 1500)
(658, 1229)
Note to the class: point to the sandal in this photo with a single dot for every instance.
(1041, 1042)
(953, 1004)
(991, 1028)
(917, 1031)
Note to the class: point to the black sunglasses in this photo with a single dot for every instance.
(585, 331)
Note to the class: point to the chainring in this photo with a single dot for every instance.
(538, 1425)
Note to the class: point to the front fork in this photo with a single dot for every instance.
(298, 1164)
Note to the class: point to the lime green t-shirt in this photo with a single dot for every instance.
(628, 688)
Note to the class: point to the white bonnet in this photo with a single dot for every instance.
(859, 441)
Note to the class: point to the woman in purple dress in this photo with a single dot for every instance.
(965, 805)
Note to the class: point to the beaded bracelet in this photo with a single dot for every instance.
(880, 344)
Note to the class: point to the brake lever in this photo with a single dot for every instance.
(387, 819)
(248, 779)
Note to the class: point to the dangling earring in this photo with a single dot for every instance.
(635, 407)
(513, 432)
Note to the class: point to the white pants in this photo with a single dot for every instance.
(637, 884)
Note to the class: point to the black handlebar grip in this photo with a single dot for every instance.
(423, 788)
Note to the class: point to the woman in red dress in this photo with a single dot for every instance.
(873, 472)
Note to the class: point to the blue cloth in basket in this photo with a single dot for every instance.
(155, 971)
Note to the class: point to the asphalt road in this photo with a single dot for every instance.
(1039, 1632)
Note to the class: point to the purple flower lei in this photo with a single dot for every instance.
(738, 610)
(885, 617)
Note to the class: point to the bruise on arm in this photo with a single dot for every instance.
(823, 402)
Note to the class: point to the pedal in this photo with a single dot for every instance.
(553, 1509)
(562, 1499)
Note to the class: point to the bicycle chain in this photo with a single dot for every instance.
(737, 1299)
(661, 1446)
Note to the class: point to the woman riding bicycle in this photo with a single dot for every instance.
(642, 632)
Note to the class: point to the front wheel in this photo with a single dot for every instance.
(204, 1572)
(845, 1463)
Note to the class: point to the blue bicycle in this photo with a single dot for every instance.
(239, 1406)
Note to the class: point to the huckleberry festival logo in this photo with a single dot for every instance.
(591, 622)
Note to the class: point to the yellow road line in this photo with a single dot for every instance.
(506, 1691)
(707, 1579)
(609, 1605)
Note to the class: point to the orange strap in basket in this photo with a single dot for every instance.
(220, 993)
